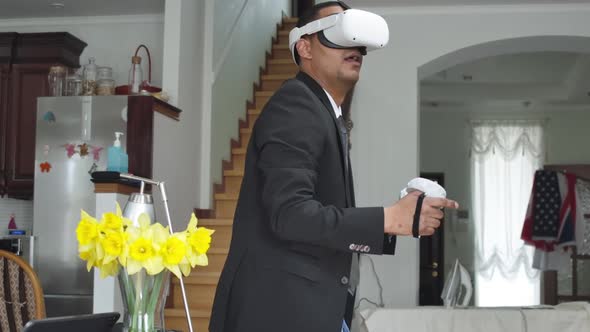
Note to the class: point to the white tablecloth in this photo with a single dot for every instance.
(567, 317)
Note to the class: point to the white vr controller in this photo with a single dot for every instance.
(428, 188)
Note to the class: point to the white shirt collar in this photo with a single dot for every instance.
(337, 109)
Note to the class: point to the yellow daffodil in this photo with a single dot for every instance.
(116, 242)
(174, 254)
(199, 240)
(90, 258)
(144, 247)
(113, 245)
(87, 230)
(109, 270)
(111, 222)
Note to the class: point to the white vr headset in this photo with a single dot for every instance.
(348, 29)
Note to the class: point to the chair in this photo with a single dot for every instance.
(21, 295)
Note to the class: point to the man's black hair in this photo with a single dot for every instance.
(311, 15)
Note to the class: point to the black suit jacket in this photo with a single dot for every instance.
(295, 229)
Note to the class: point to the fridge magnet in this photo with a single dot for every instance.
(45, 167)
(93, 168)
(83, 149)
(70, 149)
(49, 117)
(96, 152)
(45, 150)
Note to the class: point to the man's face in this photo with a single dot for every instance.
(343, 65)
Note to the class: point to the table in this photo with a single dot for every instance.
(566, 317)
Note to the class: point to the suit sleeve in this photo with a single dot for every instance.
(290, 138)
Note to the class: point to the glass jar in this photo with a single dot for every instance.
(57, 79)
(89, 78)
(105, 84)
(135, 75)
(74, 85)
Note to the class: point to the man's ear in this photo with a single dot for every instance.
(303, 47)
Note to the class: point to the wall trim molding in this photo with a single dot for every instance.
(206, 184)
(228, 42)
(479, 9)
(82, 20)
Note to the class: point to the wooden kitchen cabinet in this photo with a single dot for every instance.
(23, 78)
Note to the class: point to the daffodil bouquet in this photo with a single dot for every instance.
(140, 254)
(114, 242)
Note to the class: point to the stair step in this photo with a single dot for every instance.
(276, 77)
(280, 47)
(205, 222)
(238, 151)
(216, 257)
(290, 19)
(223, 228)
(281, 62)
(226, 196)
(245, 130)
(233, 184)
(262, 97)
(254, 111)
(200, 278)
(176, 319)
(225, 209)
(173, 312)
(233, 172)
(281, 51)
(252, 119)
(239, 160)
(283, 37)
(264, 93)
(273, 82)
(199, 296)
(288, 25)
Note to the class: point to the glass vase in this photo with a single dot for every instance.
(144, 298)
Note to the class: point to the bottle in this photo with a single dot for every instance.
(89, 80)
(117, 160)
(135, 75)
(56, 78)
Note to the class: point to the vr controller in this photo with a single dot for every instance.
(428, 188)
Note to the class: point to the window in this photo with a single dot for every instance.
(504, 157)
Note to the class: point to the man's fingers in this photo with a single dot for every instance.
(440, 203)
(432, 222)
(433, 212)
(427, 231)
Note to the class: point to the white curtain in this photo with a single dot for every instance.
(504, 157)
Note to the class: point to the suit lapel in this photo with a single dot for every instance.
(344, 158)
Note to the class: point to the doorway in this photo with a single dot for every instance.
(551, 87)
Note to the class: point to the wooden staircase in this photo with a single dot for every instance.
(201, 284)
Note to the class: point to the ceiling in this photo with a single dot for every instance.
(537, 80)
(10, 9)
(388, 3)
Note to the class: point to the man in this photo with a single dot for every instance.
(295, 228)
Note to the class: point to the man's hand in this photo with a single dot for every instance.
(400, 216)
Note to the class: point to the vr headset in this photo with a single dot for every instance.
(352, 28)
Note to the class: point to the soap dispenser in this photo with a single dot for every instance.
(117, 158)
